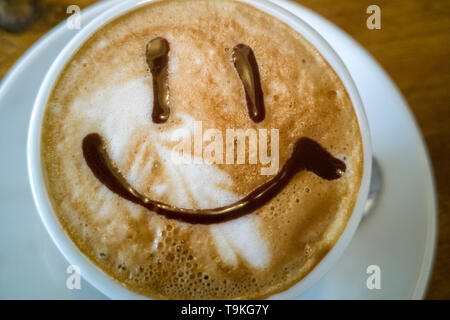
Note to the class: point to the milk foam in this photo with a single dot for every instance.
(119, 110)
(241, 237)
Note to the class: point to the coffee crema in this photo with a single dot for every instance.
(106, 153)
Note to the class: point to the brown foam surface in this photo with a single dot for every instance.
(107, 88)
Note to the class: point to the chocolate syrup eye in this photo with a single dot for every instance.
(157, 54)
(246, 66)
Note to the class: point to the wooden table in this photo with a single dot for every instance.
(413, 45)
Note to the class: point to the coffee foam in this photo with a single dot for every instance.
(106, 88)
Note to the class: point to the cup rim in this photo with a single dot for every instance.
(93, 274)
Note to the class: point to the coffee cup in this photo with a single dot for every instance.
(39, 179)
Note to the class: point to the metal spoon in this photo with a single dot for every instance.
(374, 188)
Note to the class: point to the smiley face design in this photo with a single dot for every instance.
(307, 155)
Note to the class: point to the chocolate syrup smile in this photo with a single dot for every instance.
(307, 155)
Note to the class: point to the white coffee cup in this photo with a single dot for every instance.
(92, 273)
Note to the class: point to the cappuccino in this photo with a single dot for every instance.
(201, 229)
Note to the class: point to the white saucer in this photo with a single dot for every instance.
(399, 235)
